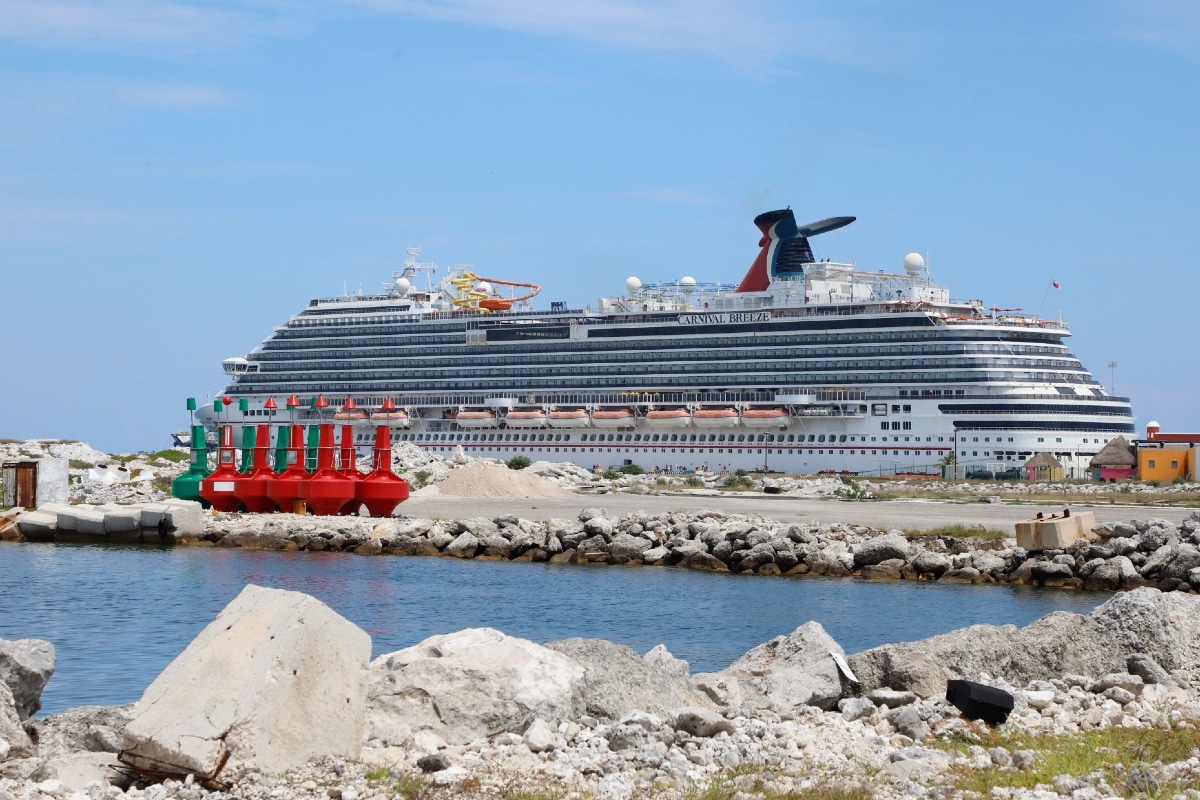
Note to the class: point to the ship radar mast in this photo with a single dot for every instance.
(405, 280)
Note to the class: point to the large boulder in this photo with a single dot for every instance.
(799, 669)
(890, 545)
(276, 679)
(617, 680)
(25, 666)
(11, 733)
(1163, 626)
(467, 685)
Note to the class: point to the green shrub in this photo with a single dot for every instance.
(610, 475)
(422, 478)
(518, 462)
(694, 481)
(632, 469)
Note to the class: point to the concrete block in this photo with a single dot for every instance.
(1086, 520)
(38, 526)
(185, 518)
(1058, 533)
(58, 509)
(122, 519)
(152, 514)
(81, 524)
(1028, 535)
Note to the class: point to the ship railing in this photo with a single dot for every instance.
(629, 399)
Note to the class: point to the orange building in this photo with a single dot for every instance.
(1167, 456)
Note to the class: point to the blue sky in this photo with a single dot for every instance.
(176, 178)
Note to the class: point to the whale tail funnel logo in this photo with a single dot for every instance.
(785, 248)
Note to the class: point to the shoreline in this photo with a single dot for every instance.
(585, 719)
(1111, 556)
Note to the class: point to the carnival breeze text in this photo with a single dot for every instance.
(720, 319)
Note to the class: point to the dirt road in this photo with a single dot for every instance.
(906, 514)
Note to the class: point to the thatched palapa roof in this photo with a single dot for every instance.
(1043, 460)
(1117, 453)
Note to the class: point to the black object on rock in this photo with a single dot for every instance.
(977, 701)
(435, 762)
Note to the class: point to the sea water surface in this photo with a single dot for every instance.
(118, 615)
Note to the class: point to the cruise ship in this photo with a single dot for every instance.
(804, 367)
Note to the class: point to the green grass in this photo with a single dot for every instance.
(411, 787)
(172, 455)
(961, 532)
(1113, 752)
(377, 774)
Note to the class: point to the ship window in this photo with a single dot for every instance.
(821, 438)
(812, 437)
(842, 438)
(895, 409)
(907, 409)
(742, 437)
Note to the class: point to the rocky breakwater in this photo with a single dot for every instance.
(1116, 556)
(276, 701)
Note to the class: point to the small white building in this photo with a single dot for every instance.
(34, 482)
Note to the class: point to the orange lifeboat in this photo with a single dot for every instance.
(613, 418)
(765, 417)
(496, 304)
(669, 417)
(574, 418)
(475, 419)
(526, 418)
(389, 415)
(350, 412)
(715, 417)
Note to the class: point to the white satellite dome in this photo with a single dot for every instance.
(633, 284)
(403, 285)
(913, 263)
(687, 283)
(483, 286)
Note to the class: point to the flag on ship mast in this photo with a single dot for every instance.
(1054, 283)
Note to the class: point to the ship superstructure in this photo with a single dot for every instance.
(805, 366)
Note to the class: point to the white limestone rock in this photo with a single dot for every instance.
(17, 742)
(618, 680)
(276, 679)
(25, 667)
(470, 684)
(790, 671)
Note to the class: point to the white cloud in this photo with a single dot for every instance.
(749, 35)
(115, 23)
(174, 97)
(1167, 24)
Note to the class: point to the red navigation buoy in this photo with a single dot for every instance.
(349, 467)
(253, 487)
(285, 488)
(327, 490)
(218, 487)
(382, 490)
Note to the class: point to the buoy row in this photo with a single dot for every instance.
(298, 483)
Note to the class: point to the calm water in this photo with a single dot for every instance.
(117, 616)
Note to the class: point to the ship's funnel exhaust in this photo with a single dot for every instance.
(785, 248)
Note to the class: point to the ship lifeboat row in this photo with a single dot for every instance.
(327, 490)
(387, 414)
(623, 418)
